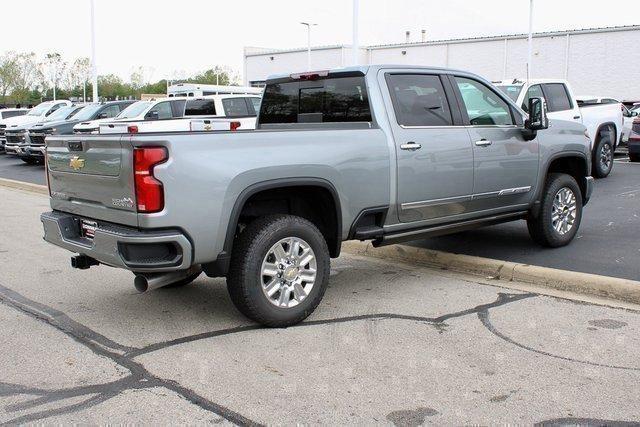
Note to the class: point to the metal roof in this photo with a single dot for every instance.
(265, 51)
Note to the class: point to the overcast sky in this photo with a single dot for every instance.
(171, 38)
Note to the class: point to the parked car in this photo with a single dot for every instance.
(36, 114)
(176, 114)
(604, 122)
(633, 143)
(627, 114)
(19, 138)
(106, 111)
(370, 153)
(63, 124)
(629, 117)
(7, 113)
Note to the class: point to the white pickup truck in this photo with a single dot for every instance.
(215, 112)
(604, 122)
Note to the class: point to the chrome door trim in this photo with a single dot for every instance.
(435, 202)
(467, 198)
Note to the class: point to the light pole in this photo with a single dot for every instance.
(309, 25)
(354, 43)
(94, 68)
(530, 41)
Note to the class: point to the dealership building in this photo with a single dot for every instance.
(597, 61)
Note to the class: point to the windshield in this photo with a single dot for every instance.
(40, 109)
(512, 91)
(133, 110)
(62, 113)
(87, 112)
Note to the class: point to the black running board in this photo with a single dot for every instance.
(440, 230)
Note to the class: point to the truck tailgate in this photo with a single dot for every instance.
(92, 176)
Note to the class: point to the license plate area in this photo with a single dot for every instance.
(88, 229)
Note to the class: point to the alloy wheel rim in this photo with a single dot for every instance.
(288, 272)
(563, 211)
(606, 156)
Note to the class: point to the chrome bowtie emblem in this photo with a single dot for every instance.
(76, 163)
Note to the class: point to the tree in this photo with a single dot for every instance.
(76, 76)
(26, 76)
(53, 68)
(218, 75)
(8, 73)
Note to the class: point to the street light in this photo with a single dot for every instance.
(354, 43)
(530, 41)
(309, 25)
(94, 68)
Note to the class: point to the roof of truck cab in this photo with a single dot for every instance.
(522, 82)
(374, 68)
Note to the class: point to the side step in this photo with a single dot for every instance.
(368, 233)
(422, 233)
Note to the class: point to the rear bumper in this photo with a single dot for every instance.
(119, 246)
(588, 187)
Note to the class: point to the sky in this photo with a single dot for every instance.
(173, 39)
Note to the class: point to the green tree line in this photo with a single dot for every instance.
(27, 79)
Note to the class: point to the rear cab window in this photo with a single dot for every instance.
(329, 98)
(200, 107)
(235, 107)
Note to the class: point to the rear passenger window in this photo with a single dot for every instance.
(235, 107)
(200, 107)
(484, 106)
(557, 97)
(419, 100)
(534, 91)
(330, 100)
(256, 104)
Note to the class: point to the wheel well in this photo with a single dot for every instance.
(603, 127)
(574, 166)
(312, 202)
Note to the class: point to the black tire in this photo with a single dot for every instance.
(603, 155)
(634, 157)
(244, 281)
(541, 228)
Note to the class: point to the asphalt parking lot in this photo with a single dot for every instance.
(608, 242)
(390, 344)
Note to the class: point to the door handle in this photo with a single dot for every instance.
(411, 146)
(484, 143)
(576, 117)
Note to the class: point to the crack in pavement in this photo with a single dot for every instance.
(484, 319)
(141, 378)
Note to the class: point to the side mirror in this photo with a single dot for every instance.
(152, 115)
(538, 119)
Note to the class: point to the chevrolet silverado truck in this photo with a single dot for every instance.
(604, 121)
(380, 153)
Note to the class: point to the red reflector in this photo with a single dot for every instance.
(235, 125)
(132, 129)
(315, 75)
(149, 191)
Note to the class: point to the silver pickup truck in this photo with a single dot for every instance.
(381, 153)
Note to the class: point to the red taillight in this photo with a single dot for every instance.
(314, 75)
(132, 129)
(149, 191)
(235, 125)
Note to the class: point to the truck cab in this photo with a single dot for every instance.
(603, 121)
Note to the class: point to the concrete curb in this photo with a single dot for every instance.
(25, 186)
(571, 281)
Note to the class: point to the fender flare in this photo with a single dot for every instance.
(615, 134)
(280, 183)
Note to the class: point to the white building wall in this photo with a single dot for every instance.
(603, 62)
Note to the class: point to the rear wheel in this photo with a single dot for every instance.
(603, 154)
(279, 270)
(560, 214)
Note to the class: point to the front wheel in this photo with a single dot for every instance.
(603, 157)
(279, 270)
(560, 214)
